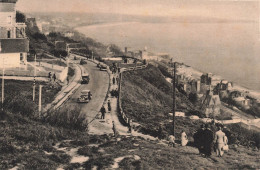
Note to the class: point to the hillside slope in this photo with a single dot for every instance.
(147, 98)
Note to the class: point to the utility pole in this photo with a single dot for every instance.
(40, 99)
(174, 99)
(34, 78)
(3, 85)
(92, 56)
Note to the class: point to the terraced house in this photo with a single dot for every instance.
(14, 44)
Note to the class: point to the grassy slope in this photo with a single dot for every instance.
(23, 136)
(140, 93)
(146, 97)
(156, 155)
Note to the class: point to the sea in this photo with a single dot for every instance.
(228, 49)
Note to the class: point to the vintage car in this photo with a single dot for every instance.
(85, 96)
(85, 79)
(102, 67)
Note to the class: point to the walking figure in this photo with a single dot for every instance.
(130, 126)
(49, 76)
(198, 139)
(54, 77)
(220, 141)
(208, 141)
(109, 105)
(117, 80)
(103, 111)
(114, 81)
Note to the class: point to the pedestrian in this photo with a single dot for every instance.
(109, 106)
(198, 141)
(208, 139)
(49, 76)
(184, 139)
(117, 80)
(67, 80)
(220, 141)
(171, 140)
(114, 81)
(129, 126)
(114, 129)
(54, 77)
(103, 112)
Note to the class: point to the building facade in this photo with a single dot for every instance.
(14, 45)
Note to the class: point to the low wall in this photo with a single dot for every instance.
(62, 76)
(119, 102)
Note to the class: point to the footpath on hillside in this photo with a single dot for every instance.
(66, 90)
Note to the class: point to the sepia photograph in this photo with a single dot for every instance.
(129, 84)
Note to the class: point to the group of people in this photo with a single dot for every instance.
(115, 80)
(113, 69)
(205, 140)
(184, 139)
(50, 76)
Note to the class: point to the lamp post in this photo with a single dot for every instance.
(3, 78)
(174, 98)
(3, 85)
(34, 78)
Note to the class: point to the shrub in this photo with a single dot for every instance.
(68, 118)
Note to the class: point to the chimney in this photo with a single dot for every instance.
(125, 49)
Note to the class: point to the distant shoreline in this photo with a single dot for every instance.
(252, 93)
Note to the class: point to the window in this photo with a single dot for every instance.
(8, 34)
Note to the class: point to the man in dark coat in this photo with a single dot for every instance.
(54, 77)
(109, 105)
(103, 111)
(198, 139)
(114, 80)
(208, 138)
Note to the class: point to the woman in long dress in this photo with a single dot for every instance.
(184, 139)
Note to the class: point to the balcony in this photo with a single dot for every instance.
(16, 45)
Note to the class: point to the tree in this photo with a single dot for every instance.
(20, 17)
(53, 34)
(193, 97)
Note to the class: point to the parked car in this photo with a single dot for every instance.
(85, 96)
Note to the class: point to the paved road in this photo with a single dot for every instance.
(99, 81)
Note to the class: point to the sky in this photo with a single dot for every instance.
(246, 10)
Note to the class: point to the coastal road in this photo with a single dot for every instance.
(98, 85)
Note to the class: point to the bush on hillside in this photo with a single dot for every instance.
(67, 118)
(39, 36)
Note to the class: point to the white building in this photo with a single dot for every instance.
(13, 42)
